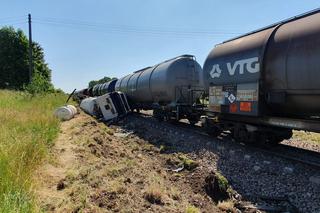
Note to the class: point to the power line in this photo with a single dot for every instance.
(149, 28)
(129, 33)
(18, 21)
(12, 18)
(124, 29)
(16, 24)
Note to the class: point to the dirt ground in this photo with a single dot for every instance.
(96, 168)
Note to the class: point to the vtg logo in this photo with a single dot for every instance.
(251, 65)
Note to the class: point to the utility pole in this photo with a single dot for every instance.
(30, 49)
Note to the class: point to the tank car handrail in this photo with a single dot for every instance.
(275, 24)
(142, 69)
(180, 56)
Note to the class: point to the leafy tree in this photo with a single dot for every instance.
(39, 64)
(101, 81)
(14, 63)
(13, 58)
(41, 79)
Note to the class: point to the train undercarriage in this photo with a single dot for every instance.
(179, 112)
(246, 133)
(244, 129)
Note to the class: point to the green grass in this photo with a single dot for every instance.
(222, 182)
(188, 163)
(27, 130)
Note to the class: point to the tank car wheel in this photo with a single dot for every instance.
(192, 122)
(239, 133)
(263, 139)
(210, 127)
(242, 135)
(158, 115)
(159, 118)
(274, 140)
(213, 131)
(276, 137)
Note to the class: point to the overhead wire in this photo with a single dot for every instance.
(120, 33)
(13, 20)
(150, 28)
(18, 21)
(125, 29)
(10, 18)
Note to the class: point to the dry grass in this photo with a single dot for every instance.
(27, 128)
(116, 186)
(227, 206)
(121, 167)
(175, 194)
(109, 131)
(192, 209)
(307, 136)
(156, 191)
(154, 194)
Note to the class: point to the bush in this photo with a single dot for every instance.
(39, 85)
(188, 163)
(217, 187)
(222, 182)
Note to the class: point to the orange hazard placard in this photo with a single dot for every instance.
(245, 106)
(233, 107)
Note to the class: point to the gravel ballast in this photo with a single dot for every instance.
(260, 178)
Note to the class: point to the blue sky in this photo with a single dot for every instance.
(86, 40)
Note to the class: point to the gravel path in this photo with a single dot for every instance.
(257, 177)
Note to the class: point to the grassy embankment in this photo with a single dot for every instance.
(27, 130)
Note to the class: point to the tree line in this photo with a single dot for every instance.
(14, 63)
(100, 81)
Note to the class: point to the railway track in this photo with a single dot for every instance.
(307, 157)
(267, 176)
(293, 154)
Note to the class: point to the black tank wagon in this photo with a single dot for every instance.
(171, 88)
(266, 83)
(260, 86)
